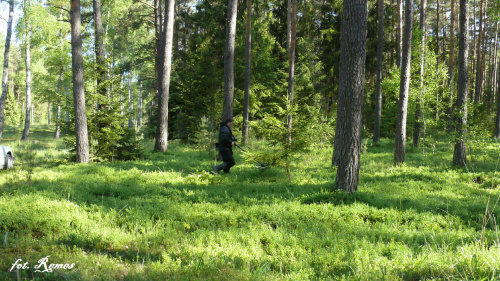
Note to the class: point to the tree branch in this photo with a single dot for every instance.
(145, 3)
(55, 6)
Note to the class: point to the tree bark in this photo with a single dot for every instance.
(400, 32)
(495, 65)
(479, 54)
(122, 98)
(29, 107)
(5, 76)
(492, 63)
(288, 24)
(248, 54)
(57, 131)
(437, 34)
(100, 57)
(227, 108)
(139, 104)
(460, 153)
(130, 102)
(451, 67)
(163, 97)
(497, 123)
(417, 128)
(159, 45)
(291, 68)
(82, 141)
(350, 100)
(380, 57)
(66, 93)
(400, 148)
(497, 96)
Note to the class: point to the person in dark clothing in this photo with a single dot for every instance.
(226, 142)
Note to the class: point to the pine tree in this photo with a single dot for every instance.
(351, 87)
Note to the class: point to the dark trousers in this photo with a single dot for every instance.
(227, 157)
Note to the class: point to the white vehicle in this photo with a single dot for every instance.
(6, 157)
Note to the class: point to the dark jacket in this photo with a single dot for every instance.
(225, 138)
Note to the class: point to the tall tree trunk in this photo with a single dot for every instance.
(437, 35)
(443, 45)
(227, 109)
(479, 61)
(48, 113)
(108, 65)
(122, 99)
(248, 54)
(82, 140)
(291, 68)
(29, 107)
(484, 51)
(5, 76)
(288, 24)
(417, 128)
(451, 66)
(350, 101)
(400, 148)
(57, 131)
(139, 104)
(472, 65)
(100, 57)
(460, 153)
(159, 46)
(66, 92)
(495, 65)
(168, 30)
(497, 123)
(59, 83)
(400, 32)
(130, 101)
(380, 57)
(59, 93)
(489, 78)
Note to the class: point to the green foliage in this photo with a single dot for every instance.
(109, 139)
(287, 145)
(432, 95)
(207, 134)
(13, 113)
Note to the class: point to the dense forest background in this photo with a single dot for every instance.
(131, 41)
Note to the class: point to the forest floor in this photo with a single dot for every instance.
(166, 217)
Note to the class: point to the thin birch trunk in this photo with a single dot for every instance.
(5, 76)
(29, 106)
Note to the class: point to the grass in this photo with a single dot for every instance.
(165, 217)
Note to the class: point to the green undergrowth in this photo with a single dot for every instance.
(166, 217)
